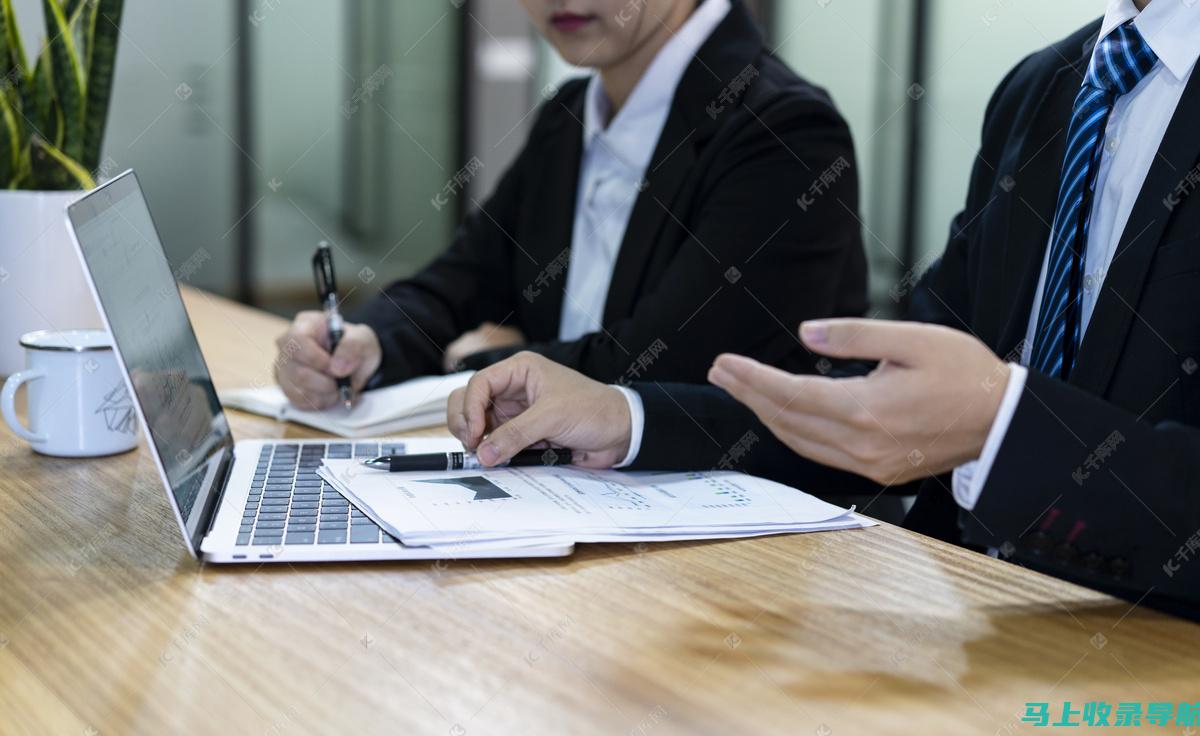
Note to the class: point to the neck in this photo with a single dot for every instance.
(1141, 4)
(620, 78)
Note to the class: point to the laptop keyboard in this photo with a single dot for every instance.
(290, 504)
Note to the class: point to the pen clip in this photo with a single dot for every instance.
(322, 264)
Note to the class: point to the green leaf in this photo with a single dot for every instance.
(47, 123)
(10, 144)
(84, 22)
(102, 60)
(38, 103)
(53, 114)
(22, 179)
(49, 156)
(67, 76)
(60, 130)
(76, 13)
(71, 8)
(12, 52)
(6, 55)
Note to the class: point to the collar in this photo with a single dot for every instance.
(1170, 27)
(633, 134)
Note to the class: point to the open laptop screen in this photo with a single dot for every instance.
(153, 337)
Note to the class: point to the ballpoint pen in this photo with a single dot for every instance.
(464, 460)
(322, 263)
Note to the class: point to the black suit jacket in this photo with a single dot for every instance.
(1098, 478)
(718, 254)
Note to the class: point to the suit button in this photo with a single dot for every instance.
(1092, 562)
(1039, 543)
(1118, 566)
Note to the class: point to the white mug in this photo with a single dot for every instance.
(78, 405)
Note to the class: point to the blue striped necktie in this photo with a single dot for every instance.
(1121, 60)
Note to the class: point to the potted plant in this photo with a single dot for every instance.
(52, 120)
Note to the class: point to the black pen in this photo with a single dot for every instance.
(322, 263)
(464, 461)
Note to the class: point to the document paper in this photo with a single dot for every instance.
(420, 402)
(565, 503)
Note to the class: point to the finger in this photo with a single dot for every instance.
(816, 437)
(303, 350)
(309, 381)
(533, 425)
(456, 420)
(361, 377)
(905, 343)
(477, 400)
(485, 387)
(351, 353)
(769, 391)
(828, 433)
(738, 370)
(499, 413)
(311, 323)
(505, 407)
(309, 400)
(362, 374)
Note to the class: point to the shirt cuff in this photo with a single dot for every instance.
(969, 478)
(637, 422)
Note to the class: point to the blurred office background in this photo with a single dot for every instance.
(259, 127)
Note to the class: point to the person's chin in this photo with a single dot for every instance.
(579, 50)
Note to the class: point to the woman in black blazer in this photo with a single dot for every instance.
(693, 197)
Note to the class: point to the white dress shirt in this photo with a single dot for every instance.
(615, 157)
(1132, 136)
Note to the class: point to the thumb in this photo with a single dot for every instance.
(905, 343)
(350, 354)
(530, 426)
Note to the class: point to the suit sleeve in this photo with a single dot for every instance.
(693, 427)
(1112, 503)
(755, 262)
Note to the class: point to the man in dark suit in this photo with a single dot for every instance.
(658, 212)
(1077, 258)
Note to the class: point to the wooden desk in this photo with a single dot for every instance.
(108, 624)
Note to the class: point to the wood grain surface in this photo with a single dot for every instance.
(108, 626)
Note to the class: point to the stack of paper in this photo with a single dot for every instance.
(545, 505)
(420, 402)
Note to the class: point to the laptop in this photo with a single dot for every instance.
(246, 501)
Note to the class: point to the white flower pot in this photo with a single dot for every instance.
(41, 280)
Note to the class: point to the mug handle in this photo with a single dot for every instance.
(8, 403)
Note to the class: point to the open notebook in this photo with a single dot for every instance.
(413, 404)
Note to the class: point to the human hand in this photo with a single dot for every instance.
(927, 407)
(306, 371)
(530, 401)
(487, 336)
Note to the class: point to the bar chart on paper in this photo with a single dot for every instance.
(475, 488)
(570, 504)
(609, 495)
(725, 493)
